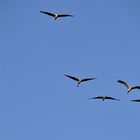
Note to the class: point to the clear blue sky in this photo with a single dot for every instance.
(37, 102)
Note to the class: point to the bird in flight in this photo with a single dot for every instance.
(56, 15)
(104, 98)
(137, 100)
(79, 80)
(127, 86)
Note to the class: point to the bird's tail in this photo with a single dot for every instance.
(78, 84)
(128, 91)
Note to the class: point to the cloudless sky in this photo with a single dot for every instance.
(37, 102)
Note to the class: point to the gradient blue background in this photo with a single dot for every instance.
(37, 102)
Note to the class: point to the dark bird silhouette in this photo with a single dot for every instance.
(104, 98)
(136, 100)
(129, 88)
(56, 15)
(79, 80)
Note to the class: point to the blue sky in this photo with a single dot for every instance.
(37, 101)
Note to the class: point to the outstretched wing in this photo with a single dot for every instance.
(137, 100)
(72, 77)
(111, 98)
(124, 83)
(87, 79)
(48, 13)
(97, 97)
(136, 87)
(65, 15)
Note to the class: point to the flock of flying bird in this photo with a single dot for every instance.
(81, 80)
(129, 88)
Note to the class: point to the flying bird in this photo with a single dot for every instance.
(56, 15)
(104, 98)
(127, 86)
(137, 100)
(79, 80)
